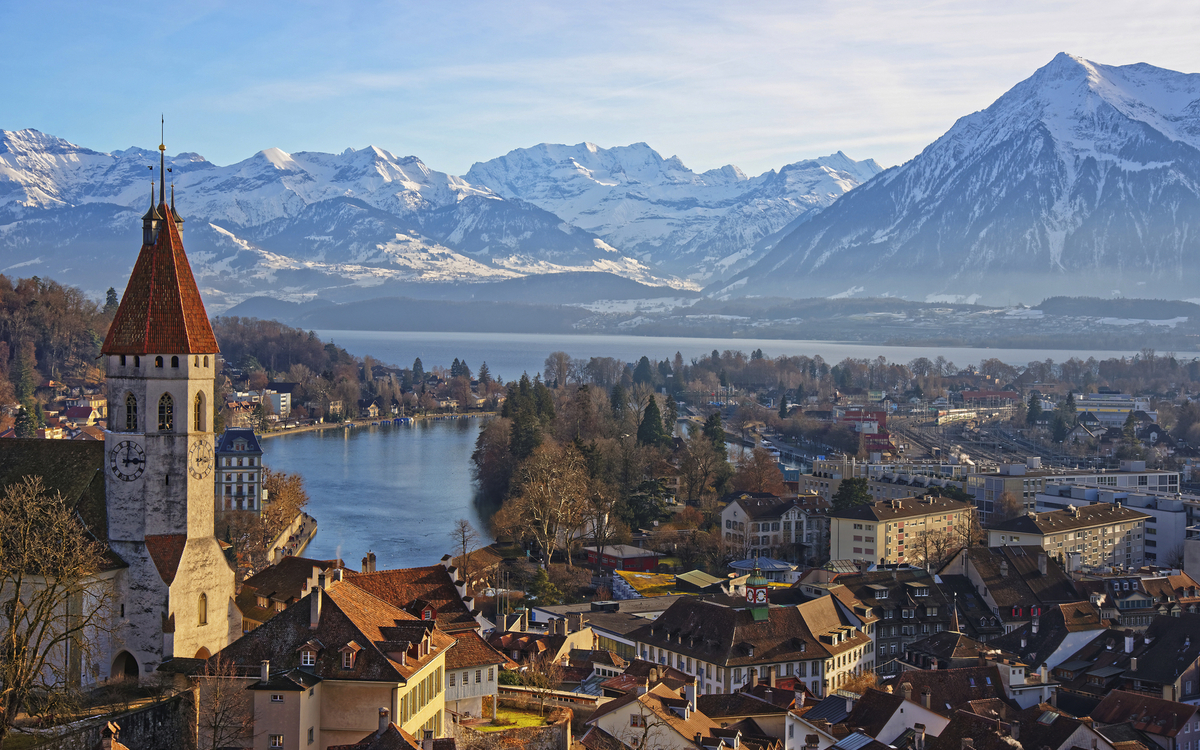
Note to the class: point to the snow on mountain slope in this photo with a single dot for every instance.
(698, 224)
(330, 215)
(1082, 177)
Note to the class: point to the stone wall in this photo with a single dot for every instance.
(169, 723)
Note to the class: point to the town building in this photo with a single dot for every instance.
(1018, 584)
(764, 525)
(728, 644)
(1024, 482)
(473, 675)
(623, 557)
(320, 670)
(430, 593)
(1112, 408)
(275, 588)
(886, 480)
(1087, 536)
(1169, 515)
(239, 470)
(895, 531)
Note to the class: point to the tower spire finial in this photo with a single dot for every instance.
(162, 162)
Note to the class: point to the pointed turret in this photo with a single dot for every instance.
(175, 214)
(161, 311)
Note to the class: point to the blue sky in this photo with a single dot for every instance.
(756, 84)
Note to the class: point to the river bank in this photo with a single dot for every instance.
(358, 423)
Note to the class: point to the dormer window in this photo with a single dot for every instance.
(347, 659)
(263, 602)
(308, 657)
(427, 614)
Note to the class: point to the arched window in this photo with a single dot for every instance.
(196, 361)
(206, 360)
(202, 610)
(158, 362)
(130, 412)
(166, 413)
(137, 361)
(198, 409)
(174, 361)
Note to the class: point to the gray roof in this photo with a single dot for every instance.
(832, 709)
(225, 443)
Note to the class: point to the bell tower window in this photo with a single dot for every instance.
(198, 416)
(158, 361)
(175, 362)
(202, 610)
(166, 413)
(206, 360)
(130, 412)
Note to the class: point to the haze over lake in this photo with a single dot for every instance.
(509, 354)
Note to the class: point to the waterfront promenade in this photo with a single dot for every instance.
(350, 424)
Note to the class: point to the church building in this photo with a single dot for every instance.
(173, 589)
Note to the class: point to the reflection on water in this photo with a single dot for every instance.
(394, 490)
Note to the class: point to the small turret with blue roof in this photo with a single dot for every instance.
(239, 470)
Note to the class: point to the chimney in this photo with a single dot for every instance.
(849, 705)
(1042, 563)
(371, 559)
(906, 688)
(1133, 664)
(427, 740)
(982, 659)
(321, 580)
(264, 671)
(753, 678)
(1129, 641)
(689, 692)
(1033, 626)
(771, 676)
(926, 696)
(109, 735)
(696, 739)
(799, 699)
(1014, 730)
(1023, 642)
(575, 620)
(1003, 568)
(384, 719)
(920, 732)
(314, 605)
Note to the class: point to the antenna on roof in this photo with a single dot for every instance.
(162, 162)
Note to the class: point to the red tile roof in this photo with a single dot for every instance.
(431, 584)
(166, 550)
(161, 311)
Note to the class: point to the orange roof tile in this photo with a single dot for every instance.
(161, 311)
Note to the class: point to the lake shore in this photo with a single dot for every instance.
(356, 423)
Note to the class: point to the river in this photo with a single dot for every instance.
(509, 354)
(394, 490)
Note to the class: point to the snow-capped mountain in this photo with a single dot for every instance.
(1082, 179)
(702, 225)
(292, 225)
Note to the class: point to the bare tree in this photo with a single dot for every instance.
(933, 547)
(1008, 506)
(53, 608)
(551, 489)
(602, 514)
(758, 471)
(543, 675)
(286, 498)
(226, 710)
(465, 537)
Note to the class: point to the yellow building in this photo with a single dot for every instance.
(895, 531)
(321, 670)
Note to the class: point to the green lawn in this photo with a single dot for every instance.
(518, 719)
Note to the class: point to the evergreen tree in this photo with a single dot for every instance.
(463, 370)
(618, 400)
(24, 426)
(454, 368)
(1033, 414)
(650, 431)
(418, 371)
(715, 432)
(671, 416)
(783, 406)
(485, 375)
(111, 303)
(643, 373)
(851, 492)
(1059, 428)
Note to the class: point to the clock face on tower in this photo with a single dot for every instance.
(127, 460)
(200, 459)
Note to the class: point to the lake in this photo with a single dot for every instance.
(509, 354)
(394, 490)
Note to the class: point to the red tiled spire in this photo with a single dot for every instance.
(161, 311)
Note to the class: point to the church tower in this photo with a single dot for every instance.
(176, 598)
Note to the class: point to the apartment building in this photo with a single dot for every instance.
(757, 524)
(1166, 528)
(885, 480)
(1026, 481)
(891, 531)
(1088, 536)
